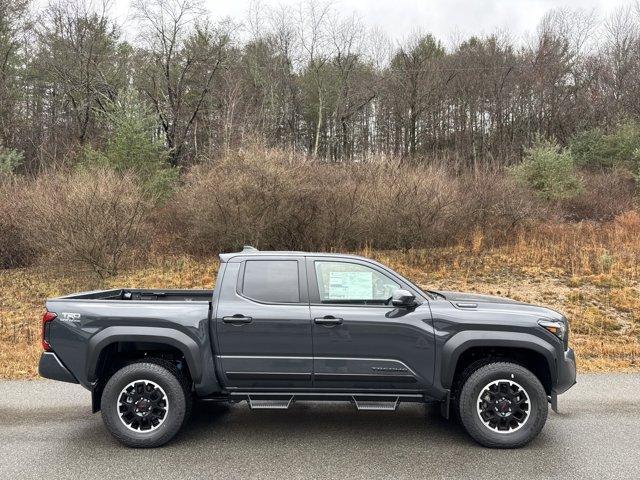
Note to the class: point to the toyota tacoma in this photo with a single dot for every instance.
(281, 327)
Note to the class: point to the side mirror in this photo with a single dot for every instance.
(403, 298)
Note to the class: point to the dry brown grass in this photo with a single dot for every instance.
(23, 291)
(588, 271)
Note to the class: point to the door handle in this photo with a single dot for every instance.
(328, 321)
(237, 319)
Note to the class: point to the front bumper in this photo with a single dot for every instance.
(51, 367)
(566, 372)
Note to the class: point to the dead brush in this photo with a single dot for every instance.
(90, 219)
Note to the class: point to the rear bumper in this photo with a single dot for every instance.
(51, 367)
(566, 372)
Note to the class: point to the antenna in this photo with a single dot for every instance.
(249, 248)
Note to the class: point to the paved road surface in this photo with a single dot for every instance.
(46, 431)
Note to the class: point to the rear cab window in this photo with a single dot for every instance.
(271, 281)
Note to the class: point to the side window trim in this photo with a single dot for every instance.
(302, 281)
(314, 290)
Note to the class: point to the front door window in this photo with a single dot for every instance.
(351, 283)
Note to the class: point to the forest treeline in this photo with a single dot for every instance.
(309, 80)
(303, 129)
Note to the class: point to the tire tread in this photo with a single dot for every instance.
(161, 368)
(478, 431)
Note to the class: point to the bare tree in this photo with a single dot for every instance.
(416, 79)
(622, 47)
(185, 51)
(311, 80)
(78, 62)
(13, 15)
(315, 44)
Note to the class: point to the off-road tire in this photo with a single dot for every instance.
(178, 391)
(468, 405)
(459, 382)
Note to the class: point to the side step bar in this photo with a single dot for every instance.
(371, 404)
(269, 403)
(362, 401)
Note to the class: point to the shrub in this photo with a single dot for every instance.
(549, 170)
(272, 201)
(10, 160)
(591, 150)
(242, 199)
(594, 149)
(133, 147)
(15, 250)
(605, 195)
(93, 218)
(623, 144)
(496, 204)
(407, 206)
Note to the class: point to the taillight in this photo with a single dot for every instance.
(46, 318)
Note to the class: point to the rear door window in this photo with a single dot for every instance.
(271, 281)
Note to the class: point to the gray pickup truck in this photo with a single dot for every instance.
(285, 326)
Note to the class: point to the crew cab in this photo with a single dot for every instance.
(281, 327)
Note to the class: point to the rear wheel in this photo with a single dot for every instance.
(145, 404)
(503, 405)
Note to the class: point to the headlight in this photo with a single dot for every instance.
(557, 327)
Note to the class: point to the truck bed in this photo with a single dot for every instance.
(143, 295)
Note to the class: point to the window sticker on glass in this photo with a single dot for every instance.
(351, 285)
(349, 282)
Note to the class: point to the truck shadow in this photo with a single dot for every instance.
(318, 420)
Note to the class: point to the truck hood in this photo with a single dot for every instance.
(476, 298)
(490, 302)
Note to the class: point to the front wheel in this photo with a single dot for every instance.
(144, 404)
(503, 405)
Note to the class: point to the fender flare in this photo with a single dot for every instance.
(462, 341)
(172, 337)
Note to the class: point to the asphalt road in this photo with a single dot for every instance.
(47, 431)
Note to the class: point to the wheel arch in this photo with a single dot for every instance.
(103, 343)
(528, 350)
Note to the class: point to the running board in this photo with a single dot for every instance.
(371, 404)
(362, 401)
(269, 403)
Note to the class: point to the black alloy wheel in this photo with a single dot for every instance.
(503, 406)
(143, 405)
